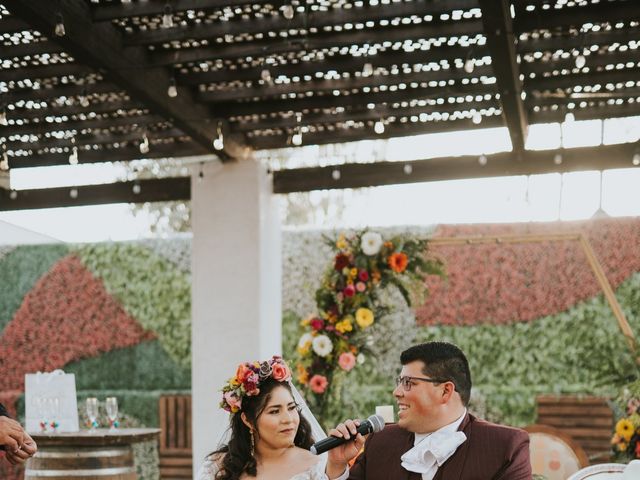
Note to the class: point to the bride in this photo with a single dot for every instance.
(270, 438)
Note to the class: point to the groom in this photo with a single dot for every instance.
(435, 437)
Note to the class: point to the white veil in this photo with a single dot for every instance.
(317, 431)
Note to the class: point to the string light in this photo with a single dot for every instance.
(367, 69)
(136, 188)
(73, 156)
(59, 29)
(84, 100)
(73, 193)
(172, 91)
(218, 142)
(482, 160)
(335, 174)
(288, 11)
(265, 75)
(636, 159)
(167, 17)
(581, 61)
(4, 164)
(296, 139)
(13, 195)
(408, 169)
(476, 118)
(3, 118)
(569, 117)
(378, 127)
(469, 65)
(557, 159)
(144, 144)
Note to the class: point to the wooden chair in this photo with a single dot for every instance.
(588, 420)
(554, 454)
(175, 439)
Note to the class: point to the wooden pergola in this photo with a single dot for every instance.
(119, 80)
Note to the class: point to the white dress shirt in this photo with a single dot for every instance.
(431, 450)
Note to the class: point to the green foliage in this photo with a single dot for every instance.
(20, 269)
(146, 365)
(152, 290)
(577, 351)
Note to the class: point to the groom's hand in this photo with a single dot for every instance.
(339, 457)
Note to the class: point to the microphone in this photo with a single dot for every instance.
(374, 423)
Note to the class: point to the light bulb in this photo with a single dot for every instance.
(469, 65)
(265, 75)
(636, 159)
(172, 91)
(288, 12)
(144, 144)
(378, 127)
(4, 164)
(73, 193)
(136, 188)
(557, 159)
(482, 160)
(581, 61)
(569, 117)
(3, 118)
(13, 195)
(408, 169)
(476, 118)
(218, 143)
(59, 30)
(167, 17)
(335, 174)
(297, 139)
(73, 156)
(367, 69)
(84, 101)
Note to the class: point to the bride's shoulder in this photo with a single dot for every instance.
(210, 467)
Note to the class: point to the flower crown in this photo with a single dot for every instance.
(248, 378)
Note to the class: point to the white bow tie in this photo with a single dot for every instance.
(432, 452)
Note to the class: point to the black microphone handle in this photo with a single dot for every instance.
(328, 443)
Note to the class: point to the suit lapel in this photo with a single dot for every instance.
(452, 469)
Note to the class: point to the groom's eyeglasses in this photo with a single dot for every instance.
(406, 382)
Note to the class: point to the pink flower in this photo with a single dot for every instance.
(316, 324)
(234, 402)
(349, 291)
(361, 287)
(347, 361)
(363, 275)
(318, 384)
(280, 372)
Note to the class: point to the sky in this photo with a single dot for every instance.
(548, 197)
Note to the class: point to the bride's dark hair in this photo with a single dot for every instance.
(235, 458)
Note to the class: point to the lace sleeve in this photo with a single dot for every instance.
(207, 470)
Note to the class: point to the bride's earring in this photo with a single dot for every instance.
(253, 445)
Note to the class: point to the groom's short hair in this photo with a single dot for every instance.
(444, 361)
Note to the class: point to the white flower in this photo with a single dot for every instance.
(304, 340)
(322, 345)
(371, 242)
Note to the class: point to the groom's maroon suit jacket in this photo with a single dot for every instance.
(491, 452)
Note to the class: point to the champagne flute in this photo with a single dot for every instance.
(92, 412)
(111, 404)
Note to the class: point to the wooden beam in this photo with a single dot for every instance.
(46, 94)
(300, 21)
(568, 41)
(498, 28)
(606, 12)
(99, 123)
(361, 115)
(100, 46)
(342, 135)
(582, 79)
(9, 24)
(228, 109)
(593, 62)
(356, 175)
(104, 155)
(339, 63)
(106, 106)
(587, 113)
(325, 40)
(154, 190)
(348, 84)
(34, 48)
(43, 71)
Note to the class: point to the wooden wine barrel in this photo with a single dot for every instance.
(99, 455)
(110, 463)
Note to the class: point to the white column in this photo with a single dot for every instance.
(236, 286)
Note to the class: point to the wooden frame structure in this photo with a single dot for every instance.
(177, 74)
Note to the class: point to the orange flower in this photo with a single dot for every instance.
(398, 262)
(318, 384)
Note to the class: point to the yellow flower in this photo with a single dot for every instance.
(303, 375)
(353, 272)
(342, 242)
(364, 317)
(234, 382)
(625, 429)
(344, 325)
(622, 446)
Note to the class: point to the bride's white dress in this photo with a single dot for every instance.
(209, 469)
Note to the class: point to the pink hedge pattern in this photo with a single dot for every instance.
(501, 283)
(68, 315)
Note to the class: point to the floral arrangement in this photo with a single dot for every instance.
(626, 438)
(348, 303)
(248, 378)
